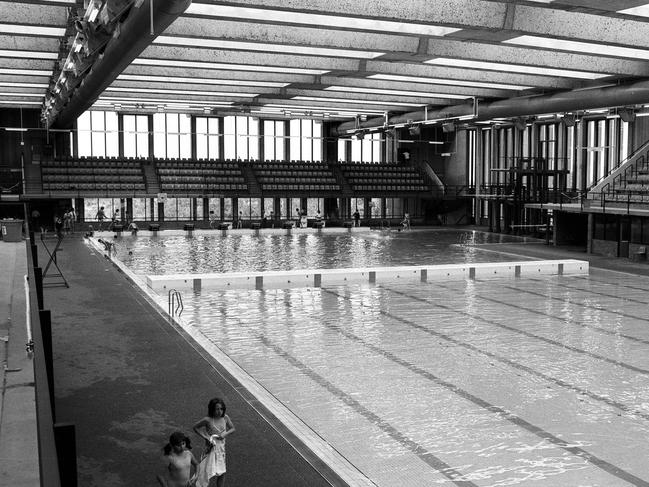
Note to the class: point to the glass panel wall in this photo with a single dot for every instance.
(207, 138)
(98, 134)
(136, 135)
(274, 142)
(172, 135)
(305, 140)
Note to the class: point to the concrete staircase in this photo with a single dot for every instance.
(151, 178)
(345, 187)
(250, 178)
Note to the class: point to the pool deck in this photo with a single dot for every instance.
(127, 378)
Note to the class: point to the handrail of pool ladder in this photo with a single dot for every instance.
(175, 303)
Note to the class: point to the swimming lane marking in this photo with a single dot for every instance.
(506, 415)
(426, 456)
(525, 333)
(569, 301)
(511, 363)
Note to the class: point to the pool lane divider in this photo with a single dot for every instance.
(371, 275)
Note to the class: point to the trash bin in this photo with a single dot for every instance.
(12, 230)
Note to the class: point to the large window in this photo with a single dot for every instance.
(92, 205)
(98, 134)
(250, 208)
(241, 137)
(172, 135)
(179, 209)
(207, 138)
(214, 208)
(394, 208)
(274, 141)
(136, 136)
(367, 149)
(306, 140)
(314, 205)
(358, 204)
(144, 210)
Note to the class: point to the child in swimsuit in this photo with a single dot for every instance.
(178, 460)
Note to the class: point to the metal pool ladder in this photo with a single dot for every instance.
(175, 303)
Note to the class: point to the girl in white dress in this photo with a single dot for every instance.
(213, 428)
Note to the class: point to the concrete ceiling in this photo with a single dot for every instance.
(338, 59)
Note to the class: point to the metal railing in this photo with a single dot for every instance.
(175, 301)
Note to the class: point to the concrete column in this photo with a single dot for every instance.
(591, 230)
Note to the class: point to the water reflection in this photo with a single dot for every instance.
(237, 253)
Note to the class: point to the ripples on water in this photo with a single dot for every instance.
(237, 253)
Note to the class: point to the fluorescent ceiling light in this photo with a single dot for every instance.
(362, 102)
(119, 99)
(23, 85)
(31, 30)
(201, 81)
(319, 20)
(577, 46)
(18, 102)
(30, 95)
(29, 54)
(515, 68)
(227, 67)
(451, 82)
(182, 92)
(313, 107)
(25, 72)
(265, 47)
(377, 91)
(640, 10)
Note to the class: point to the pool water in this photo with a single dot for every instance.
(245, 252)
(539, 381)
(531, 382)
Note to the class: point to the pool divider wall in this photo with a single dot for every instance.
(374, 275)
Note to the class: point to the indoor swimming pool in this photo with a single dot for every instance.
(530, 381)
(235, 252)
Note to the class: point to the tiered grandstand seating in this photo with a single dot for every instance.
(383, 177)
(199, 176)
(295, 176)
(93, 174)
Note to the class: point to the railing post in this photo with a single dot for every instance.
(46, 337)
(66, 452)
(38, 282)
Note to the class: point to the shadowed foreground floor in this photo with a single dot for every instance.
(127, 379)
